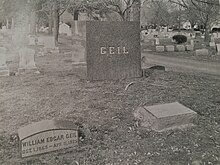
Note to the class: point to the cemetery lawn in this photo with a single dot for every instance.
(109, 133)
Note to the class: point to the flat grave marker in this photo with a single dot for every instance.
(47, 136)
(165, 117)
(113, 50)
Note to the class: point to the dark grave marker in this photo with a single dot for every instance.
(113, 50)
(47, 136)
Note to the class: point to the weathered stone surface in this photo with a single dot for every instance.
(47, 136)
(202, 52)
(170, 48)
(180, 48)
(189, 47)
(113, 50)
(165, 117)
(4, 71)
(160, 48)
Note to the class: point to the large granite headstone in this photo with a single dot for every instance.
(165, 117)
(47, 136)
(4, 71)
(113, 50)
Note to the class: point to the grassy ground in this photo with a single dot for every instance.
(110, 134)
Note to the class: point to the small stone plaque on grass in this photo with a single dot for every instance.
(165, 117)
(47, 136)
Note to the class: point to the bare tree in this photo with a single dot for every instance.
(206, 11)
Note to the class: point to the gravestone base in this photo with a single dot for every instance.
(4, 71)
(165, 117)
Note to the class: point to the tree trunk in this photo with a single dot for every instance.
(206, 28)
(56, 21)
(50, 30)
(136, 10)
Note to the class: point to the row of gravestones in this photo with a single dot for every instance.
(26, 61)
(180, 48)
(172, 48)
(26, 54)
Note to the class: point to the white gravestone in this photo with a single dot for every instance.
(64, 29)
(157, 41)
(218, 48)
(4, 71)
(27, 62)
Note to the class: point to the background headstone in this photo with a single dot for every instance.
(157, 41)
(4, 71)
(189, 47)
(180, 48)
(218, 48)
(113, 50)
(202, 52)
(170, 48)
(27, 62)
(65, 29)
(160, 48)
(78, 53)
